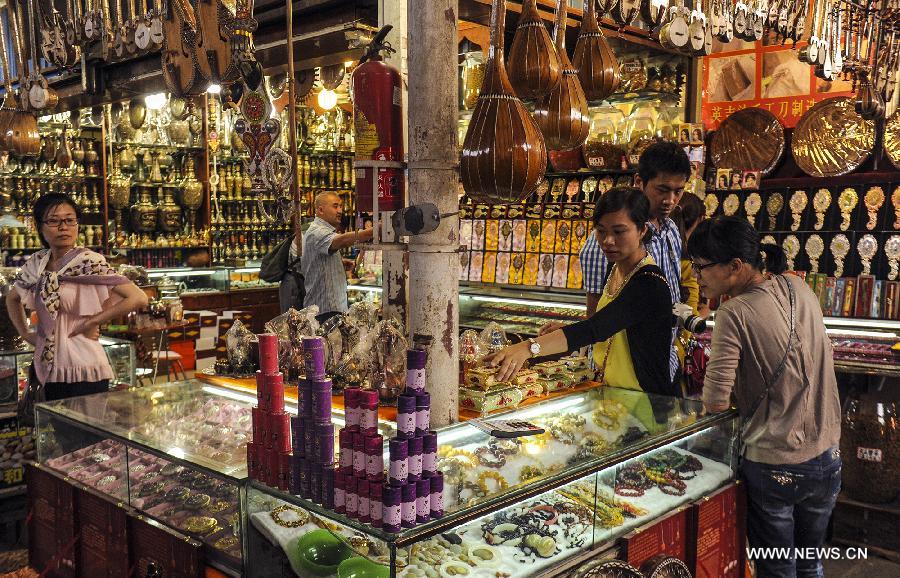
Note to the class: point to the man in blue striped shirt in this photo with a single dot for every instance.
(663, 170)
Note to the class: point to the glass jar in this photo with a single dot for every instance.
(603, 149)
(870, 449)
(471, 77)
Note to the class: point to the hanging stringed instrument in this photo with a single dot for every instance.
(179, 57)
(242, 44)
(216, 25)
(53, 37)
(21, 135)
(533, 64)
(598, 69)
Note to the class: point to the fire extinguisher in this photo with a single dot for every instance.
(378, 126)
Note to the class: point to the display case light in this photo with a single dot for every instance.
(176, 452)
(573, 306)
(832, 328)
(247, 270)
(861, 333)
(865, 323)
(370, 288)
(183, 273)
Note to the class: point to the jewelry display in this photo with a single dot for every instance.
(797, 204)
(892, 250)
(791, 245)
(711, 202)
(201, 525)
(226, 543)
(768, 240)
(847, 202)
(867, 247)
(821, 202)
(528, 473)
(773, 208)
(501, 483)
(296, 518)
(874, 200)
(752, 205)
(840, 248)
(489, 459)
(815, 246)
(895, 201)
(731, 204)
(198, 502)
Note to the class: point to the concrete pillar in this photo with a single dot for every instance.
(433, 177)
(394, 297)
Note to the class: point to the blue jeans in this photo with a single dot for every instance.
(789, 506)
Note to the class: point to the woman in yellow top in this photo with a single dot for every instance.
(633, 322)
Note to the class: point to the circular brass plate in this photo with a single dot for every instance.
(752, 139)
(831, 139)
(892, 139)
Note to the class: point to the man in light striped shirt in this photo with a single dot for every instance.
(320, 260)
(663, 170)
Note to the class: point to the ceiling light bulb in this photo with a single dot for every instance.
(156, 101)
(214, 88)
(327, 99)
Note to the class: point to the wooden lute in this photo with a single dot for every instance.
(179, 57)
(216, 26)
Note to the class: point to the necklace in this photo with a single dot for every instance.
(613, 295)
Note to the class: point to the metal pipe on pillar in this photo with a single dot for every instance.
(292, 123)
(433, 177)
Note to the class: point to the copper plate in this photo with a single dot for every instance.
(831, 139)
(752, 139)
(892, 139)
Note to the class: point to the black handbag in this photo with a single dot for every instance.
(275, 264)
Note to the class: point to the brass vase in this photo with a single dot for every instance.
(169, 218)
(191, 192)
(143, 214)
(119, 189)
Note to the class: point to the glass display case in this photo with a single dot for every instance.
(14, 366)
(175, 452)
(609, 462)
(189, 281)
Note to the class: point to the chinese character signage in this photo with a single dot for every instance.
(763, 74)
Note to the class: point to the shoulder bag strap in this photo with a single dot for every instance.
(779, 370)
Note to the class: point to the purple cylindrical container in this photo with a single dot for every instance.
(437, 495)
(351, 407)
(325, 442)
(294, 486)
(298, 425)
(268, 353)
(375, 505)
(328, 487)
(391, 508)
(315, 483)
(346, 459)
(305, 479)
(321, 399)
(429, 454)
(415, 369)
(351, 498)
(423, 413)
(406, 416)
(340, 485)
(368, 408)
(423, 500)
(314, 357)
(398, 470)
(415, 446)
(408, 505)
(304, 399)
(309, 441)
(375, 459)
(362, 510)
(359, 455)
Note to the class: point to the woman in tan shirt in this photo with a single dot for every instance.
(771, 356)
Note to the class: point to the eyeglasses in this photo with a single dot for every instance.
(698, 268)
(55, 223)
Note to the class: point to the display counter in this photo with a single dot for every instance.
(14, 366)
(175, 452)
(529, 506)
(605, 466)
(221, 289)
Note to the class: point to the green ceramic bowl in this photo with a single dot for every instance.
(321, 552)
(359, 567)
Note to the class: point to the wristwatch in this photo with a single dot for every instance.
(534, 347)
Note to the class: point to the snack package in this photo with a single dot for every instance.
(240, 342)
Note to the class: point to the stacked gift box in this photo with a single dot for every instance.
(269, 454)
(412, 490)
(312, 467)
